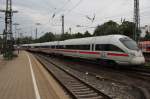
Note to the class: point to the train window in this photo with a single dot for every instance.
(78, 47)
(64, 46)
(129, 43)
(45, 47)
(36, 46)
(69, 47)
(99, 47)
(107, 47)
(114, 48)
(84, 47)
(60, 47)
(53, 47)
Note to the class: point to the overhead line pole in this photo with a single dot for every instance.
(136, 20)
(62, 30)
(62, 24)
(36, 30)
(36, 33)
(8, 53)
(7, 34)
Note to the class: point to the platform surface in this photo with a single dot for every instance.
(25, 78)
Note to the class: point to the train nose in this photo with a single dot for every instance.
(138, 61)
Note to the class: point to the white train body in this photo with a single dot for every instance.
(112, 48)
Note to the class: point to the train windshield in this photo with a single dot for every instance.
(129, 43)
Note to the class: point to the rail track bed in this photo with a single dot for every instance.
(114, 88)
(78, 88)
(139, 72)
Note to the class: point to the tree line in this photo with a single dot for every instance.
(108, 28)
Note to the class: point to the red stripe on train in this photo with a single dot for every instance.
(82, 52)
(116, 54)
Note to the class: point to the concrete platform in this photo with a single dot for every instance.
(25, 78)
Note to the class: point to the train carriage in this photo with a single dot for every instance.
(119, 49)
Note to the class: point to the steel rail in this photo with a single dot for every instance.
(77, 88)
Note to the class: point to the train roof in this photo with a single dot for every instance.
(89, 40)
(81, 41)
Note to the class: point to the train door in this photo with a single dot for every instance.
(95, 54)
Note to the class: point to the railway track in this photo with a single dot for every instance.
(77, 88)
(104, 84)
(140, 73)
(137, 73)
(134, 71)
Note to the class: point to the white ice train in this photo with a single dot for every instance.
(118, 49)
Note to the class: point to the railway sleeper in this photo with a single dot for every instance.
(84, 92)
(76, 85)
(79, 87)
(69, 83)
(80, 95)
(78, 90)
(88, 95)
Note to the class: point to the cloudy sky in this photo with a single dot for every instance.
(48, 13)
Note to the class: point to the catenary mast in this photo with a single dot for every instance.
(136, 19)
(7, 34)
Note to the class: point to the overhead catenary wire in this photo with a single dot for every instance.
(78, 3)
(61, 9)
(68, 10)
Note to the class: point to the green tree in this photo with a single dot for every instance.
(24, 40)
(49, 36)
(78, 35)
(127, 28)
(87, 34)
(107, 28)
(65, 36)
